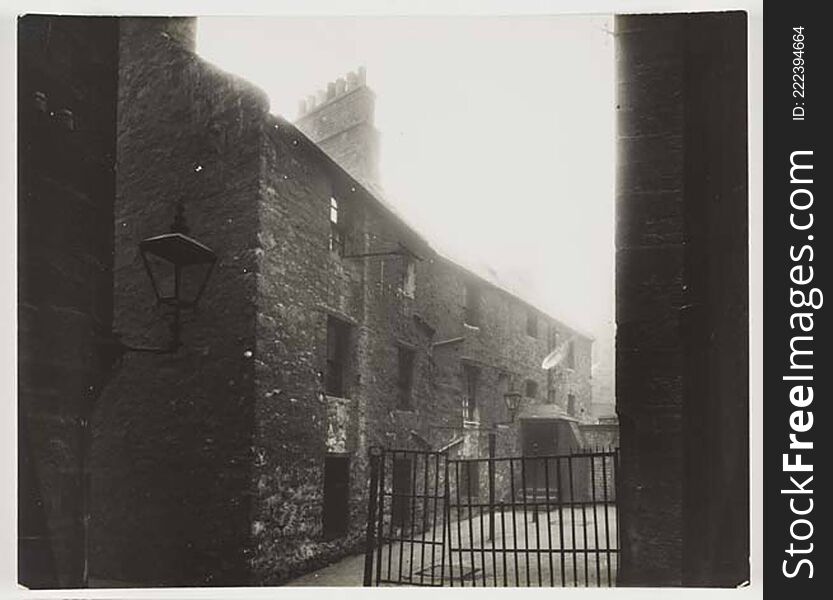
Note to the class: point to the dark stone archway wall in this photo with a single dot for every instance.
(66, 131)
(682, 298)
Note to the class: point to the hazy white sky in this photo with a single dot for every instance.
(497, 134)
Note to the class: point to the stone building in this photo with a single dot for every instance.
(682, 342)
(67, 74)
(328, 326)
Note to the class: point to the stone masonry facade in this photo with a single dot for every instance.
(329, 326)
(682, 389)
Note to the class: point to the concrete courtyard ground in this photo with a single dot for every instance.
(562, 547)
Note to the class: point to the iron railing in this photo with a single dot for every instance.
(497, 521)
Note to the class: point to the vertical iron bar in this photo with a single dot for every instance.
(559, 464)
(393, 510)
(381, 528)
(446, 524)
(607, 519)
(573, 521)
(480, 521)
(526, 517)
(434, 517)
(471, 524)
(425, 508)
(503, 541)
(616, 509)
(595, 518)
(514, 523)
(412, 516)
(371, 517)
(584, 530)
(492, 514)
(537, 514)
(549, 518)
(458, 506)
(492, 445)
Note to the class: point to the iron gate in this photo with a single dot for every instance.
(498, 521)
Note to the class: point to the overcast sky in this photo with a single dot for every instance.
(497, 134)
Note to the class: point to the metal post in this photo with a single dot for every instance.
(492, 450)
(371, 516)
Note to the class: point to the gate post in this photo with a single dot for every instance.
(375, 455)
(492, 449)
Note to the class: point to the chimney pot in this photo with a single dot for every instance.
(321, 96)
(340, 85)
(362, 75)
(331, 90)
(302, 107)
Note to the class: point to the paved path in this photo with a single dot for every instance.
(560, 549)
(345, 573)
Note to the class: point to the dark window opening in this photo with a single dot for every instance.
(336, 515)
(531, 389)
(471, 314)
(338, 337)
(532, 324)
(336, 229)
(402, 492)
(571, 405)
(405, 381)
(471, 375)
(552, 338)
(409, 278)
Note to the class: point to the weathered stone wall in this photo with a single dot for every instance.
(500, 345)
(67, 73)
(681, 303)
(211, 462)
(172, 447)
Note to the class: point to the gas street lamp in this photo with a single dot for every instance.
(179, 268)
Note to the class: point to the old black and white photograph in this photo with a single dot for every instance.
(383, 300)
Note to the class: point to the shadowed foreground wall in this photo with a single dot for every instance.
(682, 305)
(67, 73)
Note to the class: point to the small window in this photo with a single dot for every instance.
(531, 389)
(571, 405)
(338, 338)
(470, 375)
(409, 278)
(471, 315)
(532, 324)
(405, 381)
(336, 229)
(552, 338)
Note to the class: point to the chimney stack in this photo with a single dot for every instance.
(340, 120)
